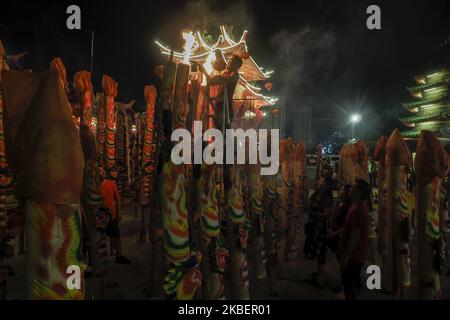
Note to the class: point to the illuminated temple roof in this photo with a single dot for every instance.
(249, 72)
(431, 109)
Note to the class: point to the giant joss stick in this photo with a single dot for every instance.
(148, 159)
(431, 165)
(361, 160)
(101, 131)
(51, 184)
(213, 261)
(237, 237)
(91, 197)
(383, 221)
(148, 163)
(164, 128)
(256, 192)
(270, 201)
(137, 158)
(125, 111)
(208, 205)
(398, 160)
(347, 168)
(120, 146)
(129, 139)
(109, 87)
(183, 278)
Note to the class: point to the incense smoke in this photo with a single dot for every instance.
(207, 15)
(305, 60)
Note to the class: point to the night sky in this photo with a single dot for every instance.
(322, 53)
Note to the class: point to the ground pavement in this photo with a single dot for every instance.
(130, 281)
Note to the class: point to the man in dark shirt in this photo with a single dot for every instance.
(354, 241)
(226, 83)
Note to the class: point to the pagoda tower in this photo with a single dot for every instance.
(431, 108)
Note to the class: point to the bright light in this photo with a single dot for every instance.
(208, 65)
(190, 39)
(264, 114)
(249, 115)
(354, 118)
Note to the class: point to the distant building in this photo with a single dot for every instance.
(431, 109)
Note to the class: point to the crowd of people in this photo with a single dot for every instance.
(342, 228)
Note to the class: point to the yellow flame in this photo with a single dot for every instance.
(208, 65)
(189, 43)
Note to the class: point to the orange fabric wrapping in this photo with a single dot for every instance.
(361, 160)
(82, 81)
(398, 151)
(42, 143)
(150, 94)
(109, 86)
(286, 150)
(431, 157)
(300, 154)
(82, 84)
(380, 150)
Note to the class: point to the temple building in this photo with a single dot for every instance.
(205, 51)
(431, 108)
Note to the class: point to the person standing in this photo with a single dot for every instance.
(111, 200)
(354, 241)
(338, 218)
(316, 229)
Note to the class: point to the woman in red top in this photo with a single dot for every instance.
(354, 242)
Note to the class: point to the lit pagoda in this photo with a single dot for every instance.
(431, 109)
(250, 73)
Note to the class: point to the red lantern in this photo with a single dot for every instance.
(275, 111)
(268, 86)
